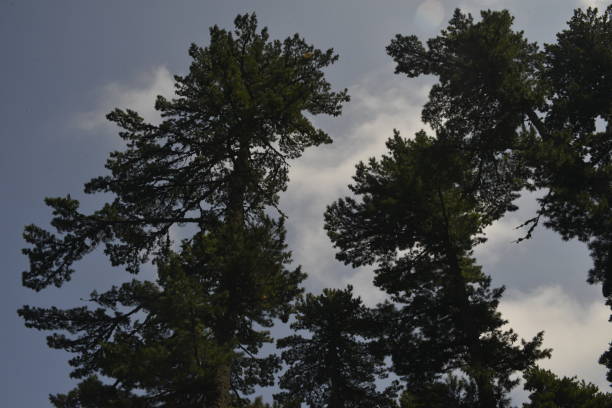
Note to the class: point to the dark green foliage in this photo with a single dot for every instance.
(453, 392)
(416, 217)
(337, 363)
(577, 162)
(503, 100)
(404, 189)
(606, 359)
(487, 75)
(494, 86)
(223, 147)
(162, 337)
(92, 393)
(549, 391)
(218, 161)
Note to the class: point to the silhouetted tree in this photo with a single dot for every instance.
(416, 217)
(546, 112)
(449, 392)
(217, 161)
(336, 364)
(549, 391)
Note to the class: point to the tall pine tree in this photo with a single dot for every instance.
(218, 161)
(416, 216)
(336, 362)
(550, 110)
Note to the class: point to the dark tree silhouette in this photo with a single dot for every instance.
(336, 364)
(415, 216)
(546, 112)
(549, 391)
(218, 161)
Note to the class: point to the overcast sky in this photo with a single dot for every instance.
(65, 64)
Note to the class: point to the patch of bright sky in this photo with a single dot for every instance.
(430, 14)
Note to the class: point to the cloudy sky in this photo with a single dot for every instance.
(65, 64)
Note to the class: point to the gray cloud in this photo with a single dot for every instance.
(139, 96)
(575, 330)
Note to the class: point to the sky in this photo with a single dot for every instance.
(67, 63)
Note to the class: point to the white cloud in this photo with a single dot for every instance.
(139, 96)
(503, 234)
(577, 332)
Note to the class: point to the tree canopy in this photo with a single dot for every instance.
(550, 391)
(499, 94)
(415, 216)
(506, 116)
(539, 117)
(336, 364)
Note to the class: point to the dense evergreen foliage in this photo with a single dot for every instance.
(415, 216)
(507, 116)
(539, 117)
(549, 391)
(336, 364)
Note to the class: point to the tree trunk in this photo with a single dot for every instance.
(336, 399)
(226, 328)
(222, 386)
(486, 397)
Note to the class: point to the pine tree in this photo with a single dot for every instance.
(337, 363)
(450, 392)
(217, 161)
(548, 111)
(549, 391)
(415, 216)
